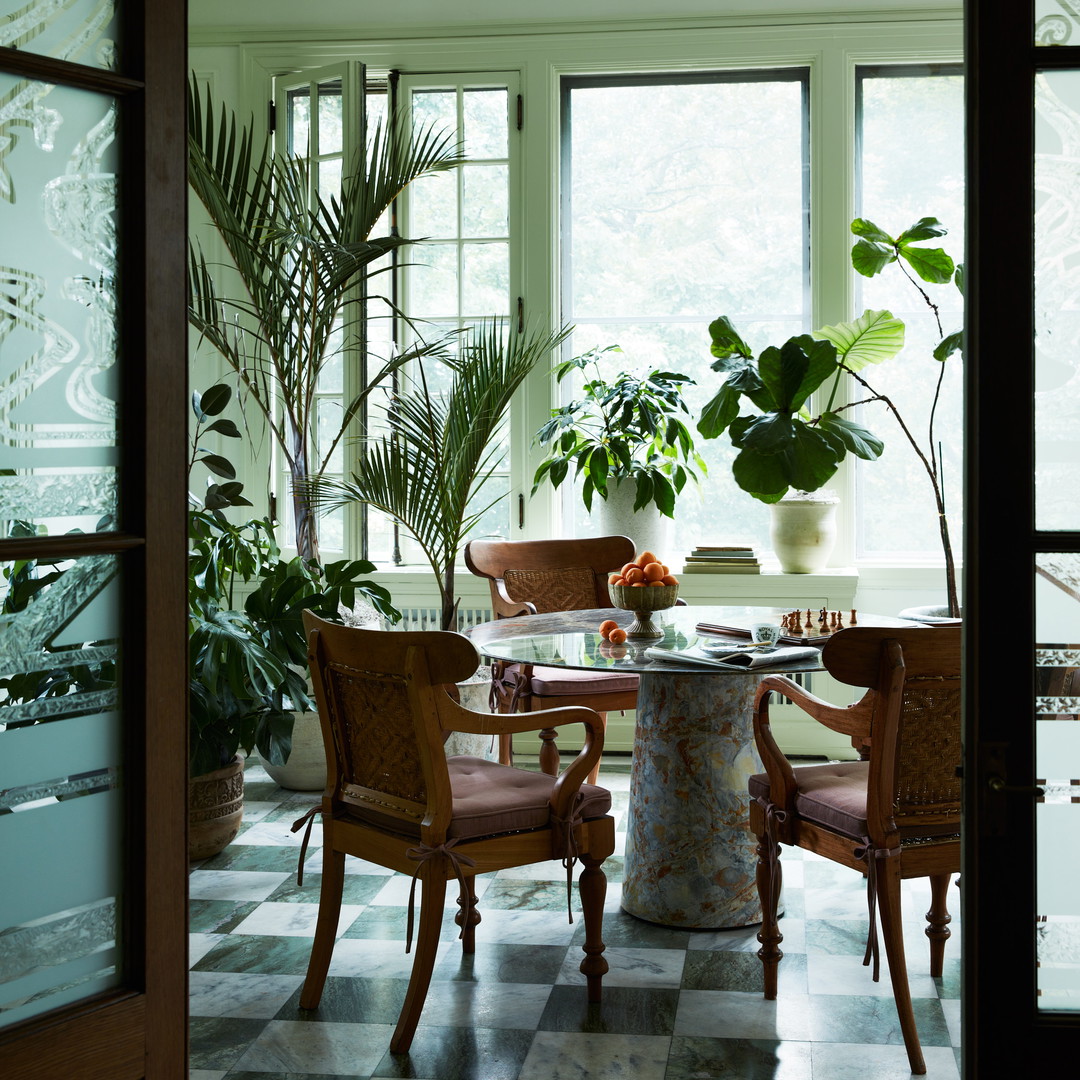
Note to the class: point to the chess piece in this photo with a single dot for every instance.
(852, 620)
(796, 624)
(832, 619)
(839, 620)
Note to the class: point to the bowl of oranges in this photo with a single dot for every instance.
(643, 586)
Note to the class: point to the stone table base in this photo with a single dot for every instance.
(690, 856)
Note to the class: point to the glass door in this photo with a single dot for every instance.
(1021, 878)
(92, 540)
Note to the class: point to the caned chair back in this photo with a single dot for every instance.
(550, 575)
(384, 743)
(914, 680)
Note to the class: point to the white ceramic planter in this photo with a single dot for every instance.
(648, 528)
(803, 533)
(305, 768)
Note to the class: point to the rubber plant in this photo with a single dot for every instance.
(783, 445)
(628, 428)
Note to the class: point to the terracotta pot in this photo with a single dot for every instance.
(215, 809)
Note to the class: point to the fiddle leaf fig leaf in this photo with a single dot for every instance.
(950, 344)
(795, 370)
(719, 412)
(869, 257)
(726, 340)
(931, 264)
(871, 338)
(958, 277)
(857, 440)
(926, 228)
(870, 231)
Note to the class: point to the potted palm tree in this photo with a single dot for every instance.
(299, 261)
(428, 473)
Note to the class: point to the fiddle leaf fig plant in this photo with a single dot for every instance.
(782, 443)
(628, 428)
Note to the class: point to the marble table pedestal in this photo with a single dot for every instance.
(690, 856)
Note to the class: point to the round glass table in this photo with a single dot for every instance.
(690, 856)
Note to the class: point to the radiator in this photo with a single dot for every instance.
(430, 618)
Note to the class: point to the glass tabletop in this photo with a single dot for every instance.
(572, 639)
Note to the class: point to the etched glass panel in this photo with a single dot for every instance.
(1057, 22)
(82, 31)
(1057, 299)
(1057, 771)
(58, 380)
(60, 782)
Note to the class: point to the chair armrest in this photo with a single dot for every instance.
(454, 717)
(853, 720)
(506, 608)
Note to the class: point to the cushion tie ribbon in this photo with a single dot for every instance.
(569, 854)
(422, 854)
(309, 818)
(871, 854)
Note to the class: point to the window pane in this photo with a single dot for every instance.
(83, 31)
(1057, 768)
(485, 126)
(61, 744)
(486, 276)
(330, 133)
(58, 299)
(901, 181)
(299, 123)
(1057, 301)
(710, 220)
(433, 284)
(486, 200)
(435, 207)
(438, 107)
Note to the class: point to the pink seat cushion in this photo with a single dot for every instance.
(556, 682)
(833, 795)
(490, 798)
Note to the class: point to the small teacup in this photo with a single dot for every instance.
(765, 634)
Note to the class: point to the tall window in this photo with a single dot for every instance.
(461, 274)
(685, 198)
(901, 178)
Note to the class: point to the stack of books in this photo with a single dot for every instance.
(722, 559)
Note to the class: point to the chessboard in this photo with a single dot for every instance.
(806, 626)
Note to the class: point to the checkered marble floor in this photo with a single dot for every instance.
(678, 1005)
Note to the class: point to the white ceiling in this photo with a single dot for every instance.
(284, 14)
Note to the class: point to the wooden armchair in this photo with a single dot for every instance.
(527, 577)
(393, 797)
(891, 817)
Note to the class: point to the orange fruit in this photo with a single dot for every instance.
(628, 566)
(669, 579)
(614, 579)
(618, 581)
(653, 571)
(634, 575)
(617, 636)
(644, 558)
(652, 583)
(638, 584)
(607, 626)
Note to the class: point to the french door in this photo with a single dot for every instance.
(1021, 877)
(93, 728)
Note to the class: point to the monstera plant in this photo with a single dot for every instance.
(785, 445)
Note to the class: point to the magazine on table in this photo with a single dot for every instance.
(746, 657)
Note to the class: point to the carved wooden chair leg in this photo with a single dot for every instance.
(592, 888)
(595, 774)
(892, 931)
(939, 918)
(433, 897)
(769, 881)
(322, 949)
(468, 898)
(506, 750)
(549, 752)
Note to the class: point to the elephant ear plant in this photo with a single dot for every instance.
(782, 443)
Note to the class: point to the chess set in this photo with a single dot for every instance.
(804, 626)
(814, 628)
